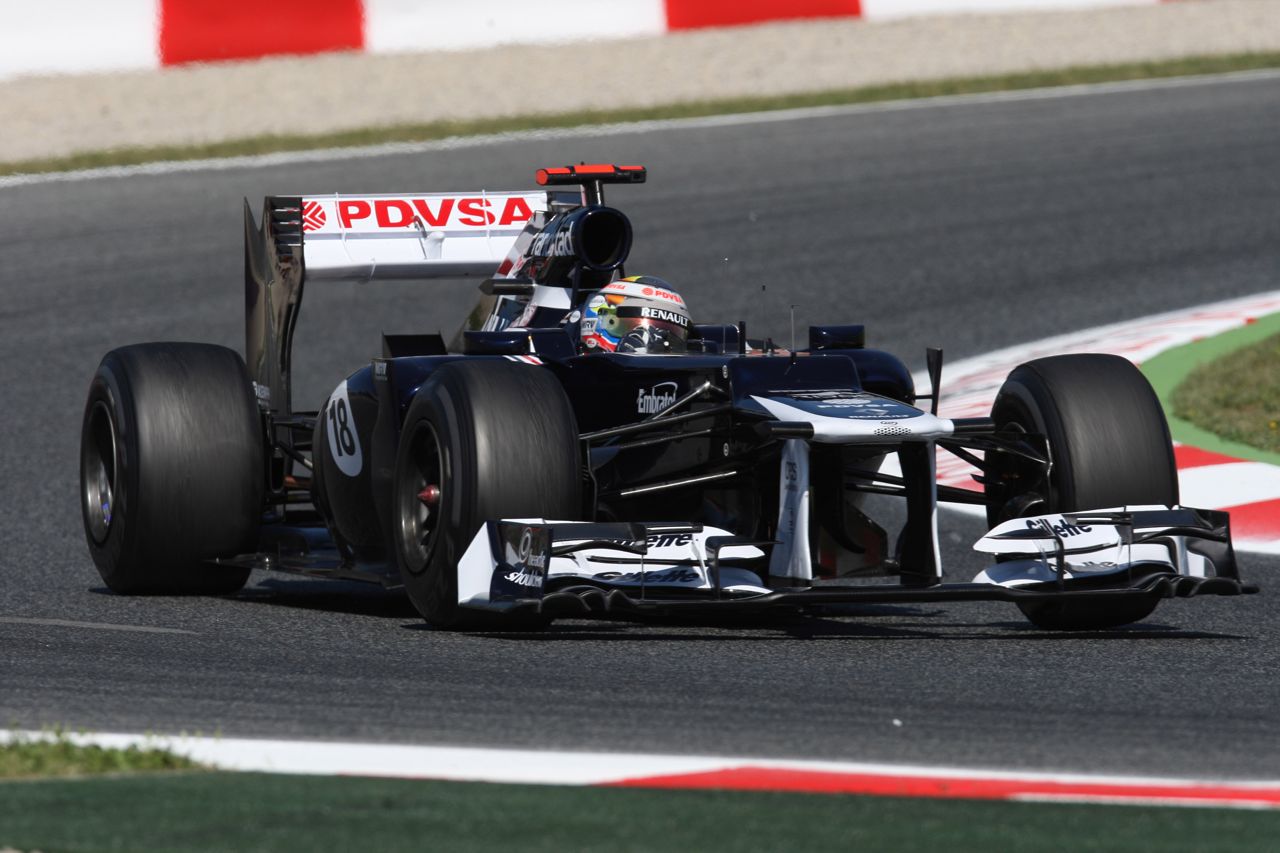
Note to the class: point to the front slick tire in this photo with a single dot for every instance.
(483, 440)
(171, 463)
(1110, 446)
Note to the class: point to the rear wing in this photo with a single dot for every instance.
(368, 238)
(433, 235)
(362, 238)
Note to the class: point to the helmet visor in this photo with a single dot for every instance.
(649, 330)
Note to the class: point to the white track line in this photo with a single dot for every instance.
(530, 765)
(516, 766)
(326, 155)
(1231, 484)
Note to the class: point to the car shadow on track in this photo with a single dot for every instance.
(878, 622)
(350, 597)
(866, 623)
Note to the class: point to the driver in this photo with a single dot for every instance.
(640, 313)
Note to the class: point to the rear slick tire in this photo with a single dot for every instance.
(482, 440)
(1110, 446)
(171, 468)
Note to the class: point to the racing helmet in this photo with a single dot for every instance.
(640, 313)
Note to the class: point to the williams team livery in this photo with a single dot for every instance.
(586, 444)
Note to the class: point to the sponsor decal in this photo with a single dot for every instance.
(656, 399)
(1062, 527)
(792, 491)
(858, 405)
(663, 294)
(790, 557)
(658, 540)
(676, 575)
(553, 242)
(665, 315)
(373, 214)
(532, 580)
(525, 555)
(313, 217)
(525, 552)
(653, 292)
(821, 394)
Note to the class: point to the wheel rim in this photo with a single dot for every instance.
(420, 497)
(98, 462)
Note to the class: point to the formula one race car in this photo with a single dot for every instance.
(582, 448)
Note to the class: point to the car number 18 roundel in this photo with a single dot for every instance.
(344, 441)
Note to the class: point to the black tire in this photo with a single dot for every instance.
(498, 440)
(171, 468)
(1110, 446)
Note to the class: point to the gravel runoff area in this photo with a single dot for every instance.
(62, 115)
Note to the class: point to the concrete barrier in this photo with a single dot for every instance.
(77, 36)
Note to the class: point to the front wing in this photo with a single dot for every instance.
(581, 568)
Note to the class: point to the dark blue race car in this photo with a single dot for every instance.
(582, 447)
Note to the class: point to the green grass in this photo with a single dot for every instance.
(443, 129)
(1223, 393)
(32, 757)
(251, 812)
(1236, 396)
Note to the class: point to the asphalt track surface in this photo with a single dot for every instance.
(973, 225)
